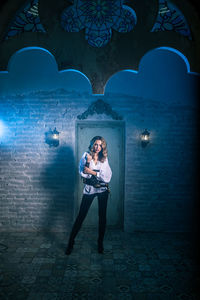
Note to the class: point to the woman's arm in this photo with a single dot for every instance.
(105, 172)
(82, 166)
(89, 171)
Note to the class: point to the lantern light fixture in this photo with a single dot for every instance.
(52, 138)
(145, 138)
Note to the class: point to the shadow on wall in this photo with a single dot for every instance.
(58, 182)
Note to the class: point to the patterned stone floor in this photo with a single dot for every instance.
(139, 266)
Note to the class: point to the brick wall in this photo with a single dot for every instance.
(160, 179)
(37, 181)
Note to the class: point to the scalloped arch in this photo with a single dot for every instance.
(153, 51)
(26, 50)
(36, 68)
(163, 74)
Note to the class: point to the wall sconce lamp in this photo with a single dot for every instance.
(145, 139)
(52, 138)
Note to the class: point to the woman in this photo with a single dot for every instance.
(96, 173)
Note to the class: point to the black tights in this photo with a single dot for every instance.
(85, 205)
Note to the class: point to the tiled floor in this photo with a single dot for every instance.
(138, 266)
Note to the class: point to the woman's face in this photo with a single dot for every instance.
(97, 146)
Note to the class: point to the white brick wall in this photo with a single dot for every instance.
(37, 182)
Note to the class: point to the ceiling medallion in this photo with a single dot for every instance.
(98, 18)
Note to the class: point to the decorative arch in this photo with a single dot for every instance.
(44, 72)
(26, 50)
(163, 74)
(168, 49)
(125, 51)
(32, 69)
(99, 107)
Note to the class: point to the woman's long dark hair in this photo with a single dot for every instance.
(103, 153)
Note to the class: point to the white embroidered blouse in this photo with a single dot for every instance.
(103, 170)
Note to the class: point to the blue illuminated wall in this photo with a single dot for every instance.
(38, 181)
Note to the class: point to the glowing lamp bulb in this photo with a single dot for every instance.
(145, 138)
(55, 134)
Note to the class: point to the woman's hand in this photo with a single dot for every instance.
(89, 171)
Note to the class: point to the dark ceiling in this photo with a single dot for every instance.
(196, 3)
(100, 64)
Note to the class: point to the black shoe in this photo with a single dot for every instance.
(100, 247)
(69, 247)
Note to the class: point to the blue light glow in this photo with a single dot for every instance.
(2, 128)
